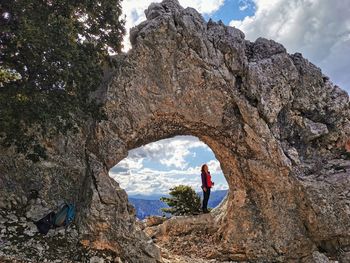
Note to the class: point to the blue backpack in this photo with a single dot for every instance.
(64, 216)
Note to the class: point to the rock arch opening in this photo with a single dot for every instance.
(148, 172)
(275, 123)
(261, 110)
(259, 186)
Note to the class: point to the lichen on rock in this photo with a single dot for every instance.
(277, 125)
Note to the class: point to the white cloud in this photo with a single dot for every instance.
(244, 4)
(317, 28)
(214, 166)
(137, 178)
(134, 11)
(151, 181)
(131, 163)
(218, 187)
(243, 7)
(169, 152)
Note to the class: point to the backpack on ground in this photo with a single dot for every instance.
(45, 223)
(64, 216)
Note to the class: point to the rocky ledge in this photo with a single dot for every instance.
(20, 241)
(275, 122)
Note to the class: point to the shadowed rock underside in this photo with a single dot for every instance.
(274, 121)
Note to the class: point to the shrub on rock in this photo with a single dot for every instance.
(183, 200)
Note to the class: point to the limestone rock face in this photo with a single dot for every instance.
(276, 124)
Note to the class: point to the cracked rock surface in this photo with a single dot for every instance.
(277, 125)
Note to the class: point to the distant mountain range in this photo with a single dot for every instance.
(147, 205)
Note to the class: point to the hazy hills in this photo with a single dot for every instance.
(147, 205)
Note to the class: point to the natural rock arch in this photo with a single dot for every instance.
(274, 121)
(263, 112)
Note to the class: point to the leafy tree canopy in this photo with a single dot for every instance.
(52, 54)
(183, 200)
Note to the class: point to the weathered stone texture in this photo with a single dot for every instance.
(274, 121)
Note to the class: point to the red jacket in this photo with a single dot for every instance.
(206, 180)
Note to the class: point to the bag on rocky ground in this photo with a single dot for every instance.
(64, 216)
(45, 223)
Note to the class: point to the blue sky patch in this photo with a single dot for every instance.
(233, 10)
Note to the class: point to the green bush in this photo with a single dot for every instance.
(7, 75)
(52, 57)
(183, 201)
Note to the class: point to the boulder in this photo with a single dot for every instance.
(276, 124)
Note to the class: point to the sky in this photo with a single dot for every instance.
(319, 29)
(156, 167)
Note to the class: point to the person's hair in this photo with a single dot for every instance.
(203, 167)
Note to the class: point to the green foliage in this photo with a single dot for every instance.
(52, 54)
(7, 75)
(183, 201)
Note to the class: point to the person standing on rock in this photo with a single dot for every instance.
(206, 186)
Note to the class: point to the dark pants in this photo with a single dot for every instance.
(206, 195)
